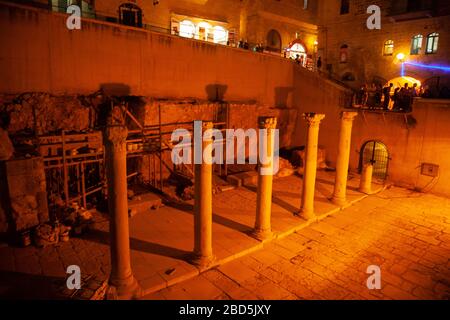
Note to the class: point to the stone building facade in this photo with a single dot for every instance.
(273, 24)
(355, 55)
(334, 30)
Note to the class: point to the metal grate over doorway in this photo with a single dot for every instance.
(375, 152)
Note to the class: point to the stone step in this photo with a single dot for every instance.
(243, 179)
(144, 203)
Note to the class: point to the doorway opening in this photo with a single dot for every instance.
(375, 152)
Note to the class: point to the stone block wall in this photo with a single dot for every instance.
(25, 185)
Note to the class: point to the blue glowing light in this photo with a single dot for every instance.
(426, 66)
(403, 69)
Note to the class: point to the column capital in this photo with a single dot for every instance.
(267, 122)
(206, 125)
(116, 135)
(313, 119)
(348, 115)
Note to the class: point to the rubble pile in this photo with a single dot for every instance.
(298, 157)
(285, 168)
(78, 218)
(46, 234)
(75, 221)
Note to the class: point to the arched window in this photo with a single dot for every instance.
(203, 31)
(187, 29)
(388, 48)
(343, 54)
(376, 153)
(416, 44)
(220, 35)
(130, 15)
(274, 41)
(432, 43)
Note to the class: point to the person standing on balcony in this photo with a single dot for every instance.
(396, 99)
(415, 90)
(387, 96)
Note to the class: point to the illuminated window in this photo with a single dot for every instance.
(220, 35)
(187, 29)
(432, 43)
(388, 48)
(416, 44)
(61, 5)
(203, 31)
(305, 4)
(297, 51)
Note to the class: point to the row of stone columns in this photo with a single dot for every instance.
(122, 281)
(339, 196)
(203, 253)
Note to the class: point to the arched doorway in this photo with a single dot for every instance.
(297, 48)
(130, 15)
(273, 41)
(375, 152)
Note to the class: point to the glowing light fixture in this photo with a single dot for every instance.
(399, 82)
(401, 56)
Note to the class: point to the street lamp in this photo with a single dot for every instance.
(401, 57)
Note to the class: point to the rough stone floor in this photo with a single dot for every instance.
(406, 234)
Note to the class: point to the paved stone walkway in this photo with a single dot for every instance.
(161, 240)
(405, 233)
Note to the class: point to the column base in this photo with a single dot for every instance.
(261, 235)
(202, 261)
(124, 290)
(366, 191)
(339, 201)
(305, 214)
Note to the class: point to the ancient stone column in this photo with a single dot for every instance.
(342, 162)
(263, 229)
(203, 255)
(310, 170)
(365, 185)
(122, 284)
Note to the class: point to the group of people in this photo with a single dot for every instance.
(307, 61)
(388, 98)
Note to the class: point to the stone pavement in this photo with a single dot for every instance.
(162, 239)
(405, 233)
